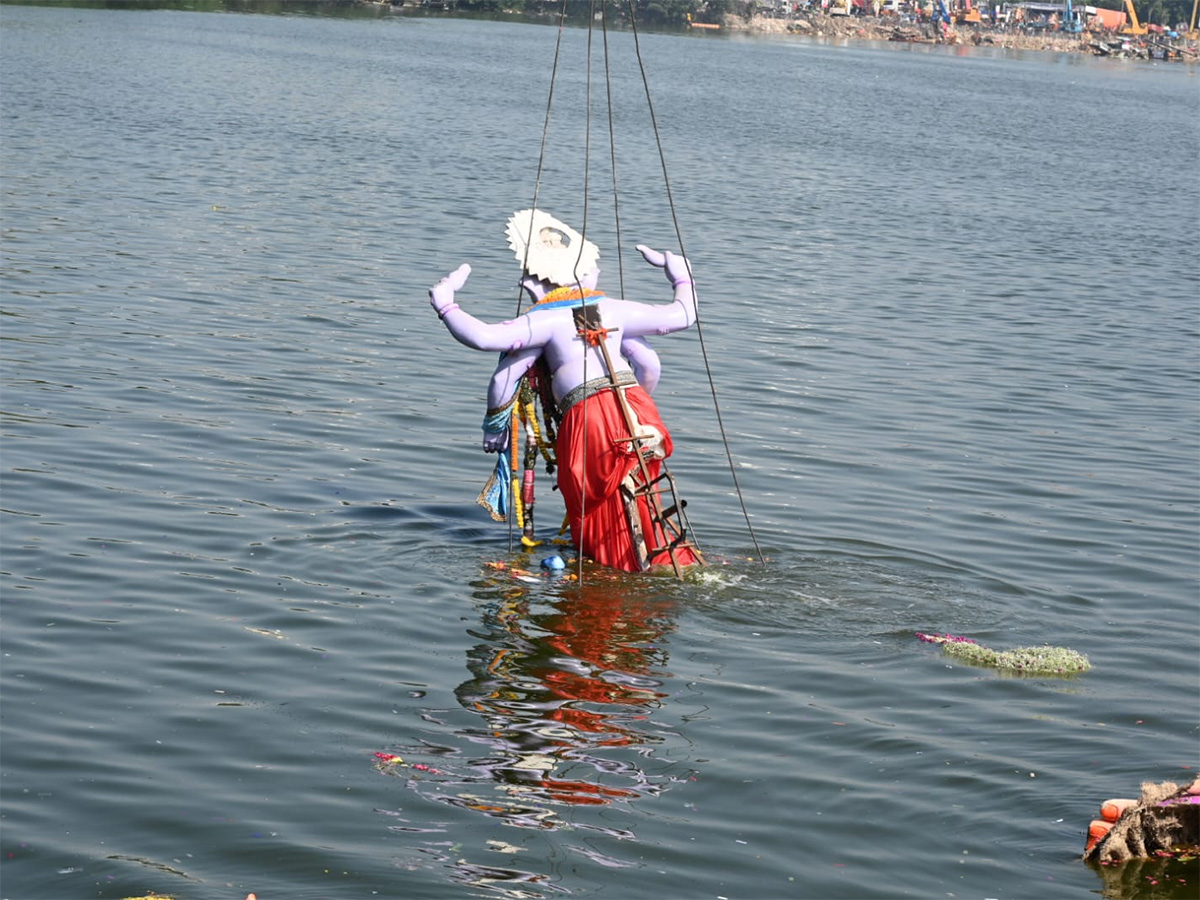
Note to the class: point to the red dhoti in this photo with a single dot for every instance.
(594, 457)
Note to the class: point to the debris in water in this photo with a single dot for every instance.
(1044, 660)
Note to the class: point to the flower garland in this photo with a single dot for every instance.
(1022, 660)
(568, 295)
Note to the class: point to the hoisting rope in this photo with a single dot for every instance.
(537, 186)
(712, 387)
(537, 382)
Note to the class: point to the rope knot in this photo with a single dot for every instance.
(593, 336)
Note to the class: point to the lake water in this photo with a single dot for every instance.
(950, 301)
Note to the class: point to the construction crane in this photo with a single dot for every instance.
(1072, 20)
(1134, 26)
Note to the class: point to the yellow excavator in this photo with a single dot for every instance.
(1134, 26)
(1193, 34)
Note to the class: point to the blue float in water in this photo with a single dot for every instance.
(554, 563)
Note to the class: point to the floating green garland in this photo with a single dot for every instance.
(1024, 660)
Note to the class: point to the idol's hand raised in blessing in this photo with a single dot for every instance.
(441, 295)
(678, 269)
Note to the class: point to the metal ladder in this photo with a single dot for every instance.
(669, 524)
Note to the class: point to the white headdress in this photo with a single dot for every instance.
(556, 252)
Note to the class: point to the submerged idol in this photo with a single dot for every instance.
(589, 354)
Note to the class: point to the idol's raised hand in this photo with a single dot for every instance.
(678, 269)
(441, 295)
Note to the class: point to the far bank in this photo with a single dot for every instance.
(910, 30)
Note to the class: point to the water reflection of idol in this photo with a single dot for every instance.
(567, 687)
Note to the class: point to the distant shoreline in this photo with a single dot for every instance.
(905, 29)
(885, 28)
(813, 24)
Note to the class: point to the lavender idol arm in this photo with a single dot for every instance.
(639, 319)
(553, 333)
(643, 360)
(512, 367)
(502, 390)
(474, 333)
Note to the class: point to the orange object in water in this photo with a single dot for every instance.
(1112, 810)
(1097, 829)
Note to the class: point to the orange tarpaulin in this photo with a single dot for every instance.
(1110, 19)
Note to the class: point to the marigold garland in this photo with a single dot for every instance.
(568, 293)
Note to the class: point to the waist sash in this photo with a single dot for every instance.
(593, 386)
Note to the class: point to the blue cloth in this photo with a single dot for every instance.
(498, 422)
(496, 496)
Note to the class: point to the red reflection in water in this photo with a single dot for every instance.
(561, 682)
(566, 687)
